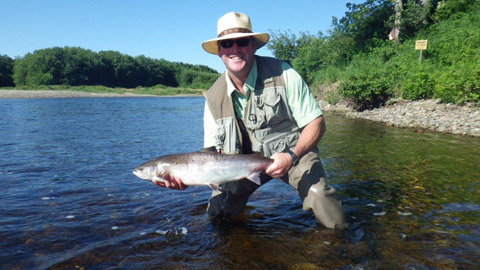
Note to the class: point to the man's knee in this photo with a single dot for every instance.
(224, 205)
(323, 201)
(232, 198)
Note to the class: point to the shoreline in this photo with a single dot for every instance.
(419, 115)
(22, 94)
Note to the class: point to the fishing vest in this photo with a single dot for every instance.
(267, 124)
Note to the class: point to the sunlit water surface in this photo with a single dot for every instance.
(70, 201)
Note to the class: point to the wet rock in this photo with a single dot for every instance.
(420, 115)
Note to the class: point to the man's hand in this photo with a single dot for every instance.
(171, 182)
(282, 162)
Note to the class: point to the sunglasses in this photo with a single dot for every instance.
(228, 43)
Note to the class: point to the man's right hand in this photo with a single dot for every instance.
(171, 182)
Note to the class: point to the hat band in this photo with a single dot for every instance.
(234, 30)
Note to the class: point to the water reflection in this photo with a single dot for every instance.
(397, 183)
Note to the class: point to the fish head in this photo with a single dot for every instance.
(145, 172)
(151, 171)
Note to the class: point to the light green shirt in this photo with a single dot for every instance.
(301, 102)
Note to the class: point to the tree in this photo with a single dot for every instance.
(446, 9)
(312, 55)
(76, 66)
(284, 45)
(6, 70)
(395, 33)
(366, 23)
(37, 68)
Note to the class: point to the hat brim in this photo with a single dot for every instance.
(211, 46)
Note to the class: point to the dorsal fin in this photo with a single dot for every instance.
(208, 150)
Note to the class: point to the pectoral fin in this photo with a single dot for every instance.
(255, 177)
(159, 179)
(162, 168)
(214, 187)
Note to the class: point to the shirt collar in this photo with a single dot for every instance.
(249, 84)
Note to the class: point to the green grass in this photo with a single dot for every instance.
(158, 90)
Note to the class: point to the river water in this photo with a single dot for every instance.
(70, 201)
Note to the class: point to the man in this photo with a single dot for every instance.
(261, 104)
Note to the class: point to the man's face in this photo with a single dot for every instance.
(237, 55)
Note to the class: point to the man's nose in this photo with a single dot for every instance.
(235, 47)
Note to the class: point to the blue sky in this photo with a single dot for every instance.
(164, 29)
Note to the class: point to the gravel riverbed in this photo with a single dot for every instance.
(419, 115)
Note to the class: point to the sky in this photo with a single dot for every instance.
(164, 29)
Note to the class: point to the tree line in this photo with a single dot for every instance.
(368, 56)
(76, 66)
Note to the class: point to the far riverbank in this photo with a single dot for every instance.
(419, 115)
(12, 94)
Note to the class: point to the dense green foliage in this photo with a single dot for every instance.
(6, 70)
(369, 69)
(75, 66)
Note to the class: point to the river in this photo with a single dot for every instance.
(70, 201)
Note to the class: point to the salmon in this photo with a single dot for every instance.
(205, 168)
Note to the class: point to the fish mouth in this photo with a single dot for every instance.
(139, 174)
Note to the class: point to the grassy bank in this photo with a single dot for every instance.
(158, 90)
(448, 70)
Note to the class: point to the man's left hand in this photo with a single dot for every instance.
(282, 162)
(171, 181)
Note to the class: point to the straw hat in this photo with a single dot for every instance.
(234, 25)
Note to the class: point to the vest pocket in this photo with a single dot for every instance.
(274, 106)
(255, 114)
(226, 137)
(279, 142)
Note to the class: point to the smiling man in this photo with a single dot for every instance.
(262, 105)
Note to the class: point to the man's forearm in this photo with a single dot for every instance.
(310, 136)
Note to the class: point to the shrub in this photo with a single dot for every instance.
(327, 75)
(367, 83)
(459, 83)
(449, 8)
(419, 85)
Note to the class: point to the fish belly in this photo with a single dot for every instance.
(198, 175)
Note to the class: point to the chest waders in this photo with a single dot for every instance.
(267, 127)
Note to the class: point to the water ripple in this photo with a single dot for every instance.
(70, 201)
